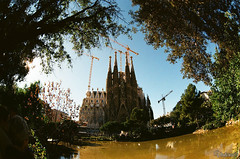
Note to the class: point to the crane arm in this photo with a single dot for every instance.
(134, 52)
(112, 48)
(163, 98)
(118, 43)
(169, 93)
(126, 47)
(116, 50)
(90, 74)
(93, 57)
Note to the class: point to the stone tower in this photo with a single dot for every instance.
(123, 93)
(92, 111)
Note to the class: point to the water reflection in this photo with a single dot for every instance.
(223, 142)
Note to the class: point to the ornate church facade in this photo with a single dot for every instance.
(123, 93)
(92, 109)
(116, 104)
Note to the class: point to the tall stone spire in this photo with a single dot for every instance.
(134, 91)
(133, 76)
(115, 61)
(126, 63)
(127, 71)
(109, 91)
(110, 63)
(115, 91)
(149, 108)
(115, 71)
(109, 76)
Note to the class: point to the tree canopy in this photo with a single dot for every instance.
(186, 27)
(192, 110)
(191, 103)
(112, 127)
(225, 91)
(34, 28)
(139, 115)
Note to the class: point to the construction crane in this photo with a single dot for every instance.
(126, 47)
(120, 56)
(163, 99)
(90, 74)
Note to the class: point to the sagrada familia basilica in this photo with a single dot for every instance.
(122, 95)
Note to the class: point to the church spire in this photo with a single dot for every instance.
(132, 68)
(127, 71)
(149, 108)
(126, 64)
(109, 91)
(110, 68)
(115, 71)
(115, 62)
(133, 77)
(109, 76)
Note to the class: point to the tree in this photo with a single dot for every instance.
(59, 99)
(32, 28)
(192, 109)
(68, 131)
(191, 104)
(161, 121)
(225, 90)
(176, 113)
(112, 127)
(140, 115)
(25, 102)
(186, 27)
(137, 124)
(31, 106)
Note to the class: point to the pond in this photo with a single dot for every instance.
(220, 143)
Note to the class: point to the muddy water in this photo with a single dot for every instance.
(220, 143)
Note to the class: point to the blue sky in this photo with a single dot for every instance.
(154, 74)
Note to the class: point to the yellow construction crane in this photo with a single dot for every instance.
(90, 74)
(126, 47)
(120, 56)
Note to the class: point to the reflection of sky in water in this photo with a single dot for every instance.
(224, 140)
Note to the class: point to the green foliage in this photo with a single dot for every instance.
(112, 127)
(137, 124)
(29, 105)
(25, 102)
(50, 130)
(191, 104)
(139, 115)
(191, 110)
(162, 121)
(136, 129)
(32, 106)
(68, 131)
(186, 27)
(31, 29)
(225, 91)
(38, 150)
